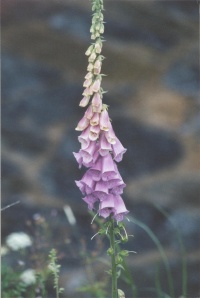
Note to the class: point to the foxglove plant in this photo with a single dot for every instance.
(102, 184)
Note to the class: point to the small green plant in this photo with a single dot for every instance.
(11, 285)
(55, 270)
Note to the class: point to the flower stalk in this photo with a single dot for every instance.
(101, 150)
(113, 259)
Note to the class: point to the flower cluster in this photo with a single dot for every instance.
(102, 183)
(16, 241)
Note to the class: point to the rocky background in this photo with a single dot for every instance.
(152, 77)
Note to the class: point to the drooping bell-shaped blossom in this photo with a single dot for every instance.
(104, 120)
(96, 170)
(90, 67)
(90, 200)
(88, 153)
(110, 135)
(104, 146)
(94, 132)
(95, 119)
(86, 184)
(88, 76)
(96, 85)
(89, 112)
(107, 207)
(89, 50)
(101, 190)
(87, 83)
(97, 103)
(83, 123)
(92, 57)
(120, 208)
(97, 67)
(108, 168)
(118, 150)
(84, 101)
(84, 138)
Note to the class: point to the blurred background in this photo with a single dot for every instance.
(152, 80)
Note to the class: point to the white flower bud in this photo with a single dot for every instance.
(98, 47)
(89, 50)
(88, 76)
(102, 28)
(91, 29)
(97, 27)
(92, 57)
(90, 67)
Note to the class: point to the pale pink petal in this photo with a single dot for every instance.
(105, 146)
(89, 112)
(83, 123)
(96, 100)
(87, 154)
(84, 101)
(79, 159)
(101, 190)
(110, 135)
(120, 208)
(97, 103)
(94, 132)
(84, 138)
(118, 150)
(95, 119)
(106, 207)
(90, 200)
(86, 184)
(108, 169)
(87, 83)
(96, 85)
(104, 120)
(95, 171)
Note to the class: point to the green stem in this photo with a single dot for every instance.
(113, 260)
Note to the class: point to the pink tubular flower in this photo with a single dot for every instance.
(87, 83)
(108, 168)
(88, 153)
(96, 85)
(94, 132)
(90, 200)
(84, 138)
(87, 92)
(88, 76)
(83, 123)
(101, 190)
(95, 119)
(96, 100)
(95, 171)
(120, 208)
(110, 135)
(104, 120)
(107, 206)
(89, 112)
(84, 102)
(97, 67)
(118, 150)
(86, 184)
(93, 136)
(104, 145)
